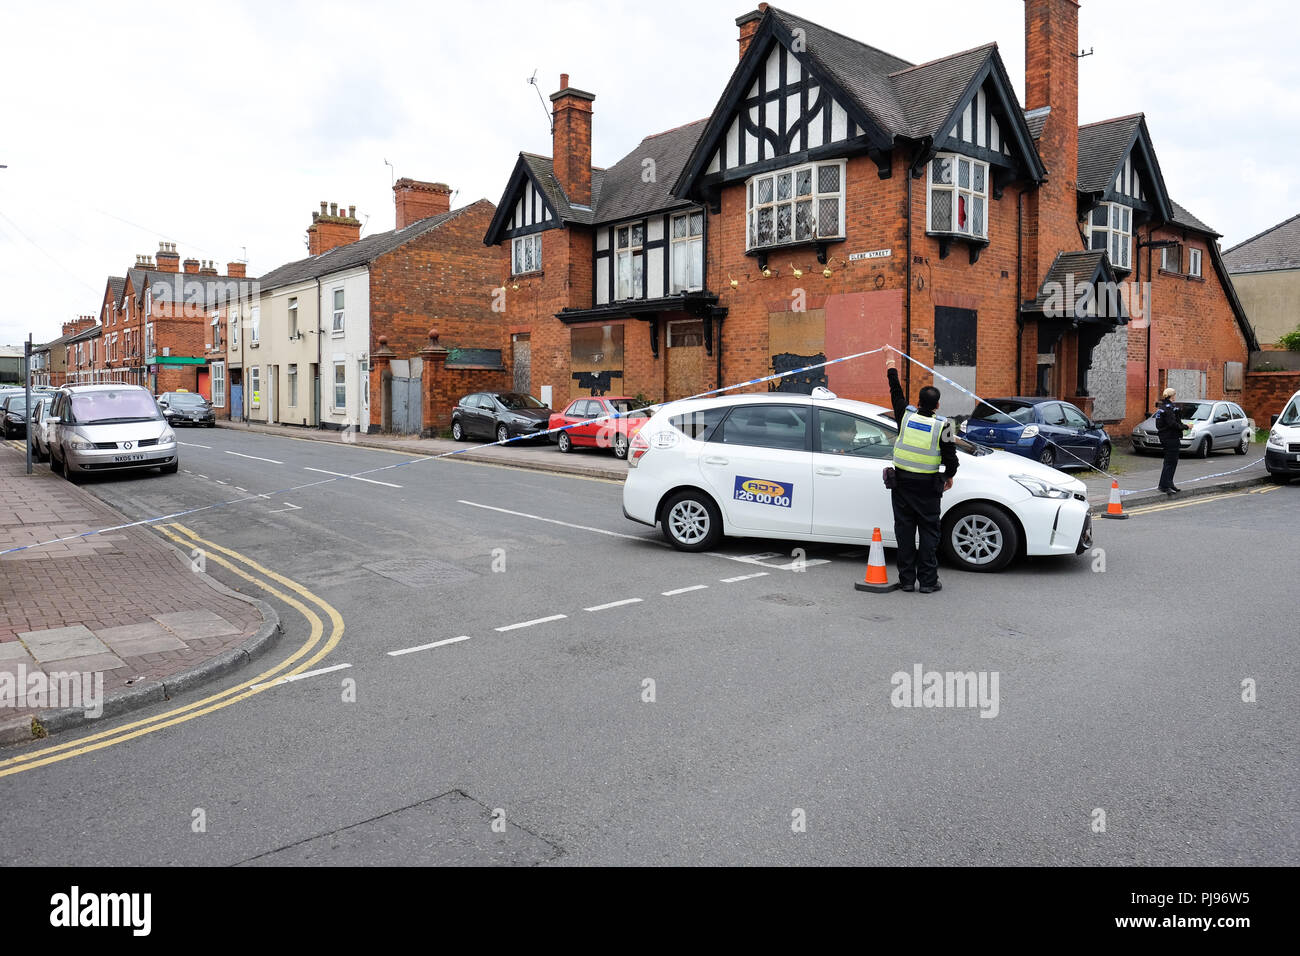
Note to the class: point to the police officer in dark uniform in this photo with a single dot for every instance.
(1169, 426)
(925, 442)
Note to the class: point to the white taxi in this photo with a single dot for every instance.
(809, 468)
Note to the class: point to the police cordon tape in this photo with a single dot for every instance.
(550, 431)
(402, 464)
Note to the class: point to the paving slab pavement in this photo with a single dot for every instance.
(125, 606)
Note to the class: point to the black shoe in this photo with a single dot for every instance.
(931, 588)
(907, 587)
(1175, 488)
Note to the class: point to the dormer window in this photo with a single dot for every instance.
(1110, 228)
(958, 190)
(800, 204)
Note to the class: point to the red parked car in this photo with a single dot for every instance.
(612, 433)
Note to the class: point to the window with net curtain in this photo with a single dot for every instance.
(958, 195)
(688, 252)
(800, 204)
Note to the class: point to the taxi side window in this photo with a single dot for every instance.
(699, 425)
(842, 434)
(782, 427)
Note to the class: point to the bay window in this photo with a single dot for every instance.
(958, 196)
(688, 252)
(1110, 228)
(800, 204)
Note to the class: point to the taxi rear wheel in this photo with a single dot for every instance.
(980, 537)
(691, 521)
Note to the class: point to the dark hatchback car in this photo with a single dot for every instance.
(187, 408)
(13, 413)
(499, 416)
(1047, 430)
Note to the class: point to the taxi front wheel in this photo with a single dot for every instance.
(691, 521)
(980, 537)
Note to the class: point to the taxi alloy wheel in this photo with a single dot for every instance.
(980, 537)
(564, 442)
(691, 522)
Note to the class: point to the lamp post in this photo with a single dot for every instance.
(1148, 243)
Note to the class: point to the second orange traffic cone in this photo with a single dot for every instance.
(1114, 508)
(877, 577)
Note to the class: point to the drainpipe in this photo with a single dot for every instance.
(319, 371)
(1020, 264)
(907, 306)
(1146, 382)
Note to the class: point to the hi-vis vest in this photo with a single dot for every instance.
(917, 447)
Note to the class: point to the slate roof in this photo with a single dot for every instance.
(359, 253)
(1084, 265)
(216, 289)
(625, 193)
(1184, 218)
(542, 169)
(91, 333)
(862, 70)
(931, 91)
(1035, 119)
(1274, 248)
(1101, 150)
(117, 285)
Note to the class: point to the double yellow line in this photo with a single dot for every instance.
(297, 662)
(1170, 506)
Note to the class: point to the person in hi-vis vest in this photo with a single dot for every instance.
(926, 443)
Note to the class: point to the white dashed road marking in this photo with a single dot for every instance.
(303, 676)
(339, 474)
(426, 647)
(254, 457)
(190, 444)
(606, 607)
(580, 527)
(744, 577)
(694, 587)
(540, 620)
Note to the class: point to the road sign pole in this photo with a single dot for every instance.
(27, 383)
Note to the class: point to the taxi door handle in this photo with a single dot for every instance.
(715, 461)
(830, 472)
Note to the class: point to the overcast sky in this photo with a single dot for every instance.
(220, 127)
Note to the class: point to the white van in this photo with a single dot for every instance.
(1282, 453)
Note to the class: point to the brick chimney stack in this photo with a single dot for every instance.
(144, 262)
(571, 114)
(191, 267)
(418, 200)
(79, 324)
(1052, 80)
(208, 268)
(331, 228)
(749, 26)
(168, 260)
(237, 270)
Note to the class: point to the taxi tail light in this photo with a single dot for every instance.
(636, 448)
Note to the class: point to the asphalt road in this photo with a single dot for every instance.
(1119, 689)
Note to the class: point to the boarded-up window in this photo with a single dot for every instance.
(954, 355)
(1233, 376)
(597, 359)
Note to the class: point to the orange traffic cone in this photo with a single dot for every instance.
(877, 578)
(1114, 509)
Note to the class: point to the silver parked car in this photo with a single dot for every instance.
(41, 427)
(109, 428)
(1214, 426)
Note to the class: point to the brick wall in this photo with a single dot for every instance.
(1266, 394)
(442, 280)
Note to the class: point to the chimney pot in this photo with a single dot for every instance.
(334, 209)
(324, 208)
(352, 212)
(564, 81)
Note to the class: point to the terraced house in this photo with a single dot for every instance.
(304, 357)
(840, 198)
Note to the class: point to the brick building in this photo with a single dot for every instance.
(306, 357)
(848, 199)
(50, 360)
(157, 323)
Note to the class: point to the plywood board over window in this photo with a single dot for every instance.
(596, 363)
(955, 337)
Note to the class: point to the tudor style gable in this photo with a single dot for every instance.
(784, 106)
(526, 206)
(1120, 186)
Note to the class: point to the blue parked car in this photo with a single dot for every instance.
(1023, 426)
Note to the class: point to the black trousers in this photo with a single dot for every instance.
(1172, 448)
(916, 510)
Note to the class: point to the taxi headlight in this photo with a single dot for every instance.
(1039, 488)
